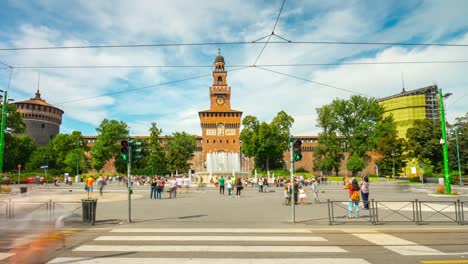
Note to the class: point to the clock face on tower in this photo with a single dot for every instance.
(220, 100)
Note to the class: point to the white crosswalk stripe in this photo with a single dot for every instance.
(208, 246)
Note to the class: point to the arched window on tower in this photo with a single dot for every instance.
(220, 80)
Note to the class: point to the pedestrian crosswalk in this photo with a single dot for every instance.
(208, 245)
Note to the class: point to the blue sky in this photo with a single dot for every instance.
(86, 94)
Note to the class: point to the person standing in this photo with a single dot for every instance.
(89, 185)
(154, 183)
(172, 187)
(302, 195)
(315, 190)
(260, 185)
(365, 192)
(354, 198)
(239, 187)
(229, 187)
(221, 185)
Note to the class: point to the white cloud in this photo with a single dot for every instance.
(255, 92)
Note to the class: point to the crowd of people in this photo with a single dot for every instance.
(296, 192)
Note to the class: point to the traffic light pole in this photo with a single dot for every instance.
(129, 169)
(291, 151)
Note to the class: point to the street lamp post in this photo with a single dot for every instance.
(443, 141)
(458, 157)
(46, 167)
(393, 168)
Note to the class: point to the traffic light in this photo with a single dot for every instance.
(137, 147)
(297, 151)
(124, 149)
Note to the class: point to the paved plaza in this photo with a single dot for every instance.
(202, 226)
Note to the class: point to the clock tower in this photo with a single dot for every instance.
(220, 124)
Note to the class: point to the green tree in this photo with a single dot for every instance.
(424, 142)
(461, 124)
(18, 150)
(17, 147)
(328, 152)
(392, 150)
(266, 142)
(106, 147)
(155, 162)
(358, 122)
(180, 150)
(356, 164)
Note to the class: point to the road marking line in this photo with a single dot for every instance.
(209, 230)
(5, 255)
(447, 261)
(402, 246)
(209, 248)
(384, 240)
(208, 261)
(213, 238)
(441, 261)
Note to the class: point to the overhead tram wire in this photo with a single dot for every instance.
(235, 66)
(237, 43)
(272, 33)
(144, 87)
(307, 80)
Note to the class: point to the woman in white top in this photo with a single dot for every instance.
(302, 195)
(365, 192)
(229, 186)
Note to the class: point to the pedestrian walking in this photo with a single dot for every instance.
(56, 181)
(354, 197)
(100, 184)
(221, 185)
(315, 190)
(365, 192)
(160, 187)
(239, 187)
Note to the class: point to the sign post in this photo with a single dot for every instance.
(19, 173)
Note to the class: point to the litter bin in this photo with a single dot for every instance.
(23, 189)
(441, 181)
(89, 210)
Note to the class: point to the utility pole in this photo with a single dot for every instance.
(444, 143)
(393, 168)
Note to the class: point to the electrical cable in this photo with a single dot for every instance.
(234, 66)
(236, 43)
(272, 33)
(307, 80)
(141, 88)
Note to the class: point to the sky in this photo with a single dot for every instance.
(172, 96)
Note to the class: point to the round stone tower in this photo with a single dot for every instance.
(42, 119)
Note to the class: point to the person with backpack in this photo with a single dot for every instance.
(354, 197)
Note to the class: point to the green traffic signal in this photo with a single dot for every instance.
(124, 149)
(297, 150)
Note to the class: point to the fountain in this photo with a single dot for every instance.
(222, 164)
